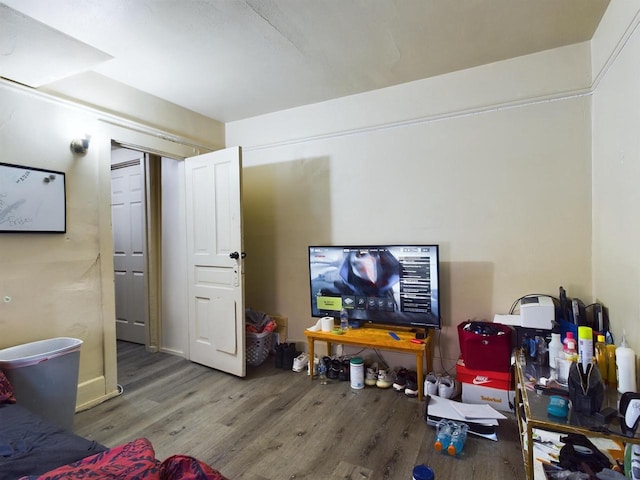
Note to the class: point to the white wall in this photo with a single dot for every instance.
(495, 166)
(62, 284)
(616, 168)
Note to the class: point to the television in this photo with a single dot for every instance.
(380, 284)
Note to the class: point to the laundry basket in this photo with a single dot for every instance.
(44, 377)
(258, 346)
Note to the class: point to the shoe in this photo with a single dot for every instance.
(300, 362)
(400, 383)
(334, 369)
(345, 368)
(448, 387)
(431, 384)
(411, 389)
(385, 378)
(372, 375)
(316, 362)
(280, 355)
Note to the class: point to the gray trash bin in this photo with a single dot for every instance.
(44, 376)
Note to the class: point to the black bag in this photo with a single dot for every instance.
(586, 389)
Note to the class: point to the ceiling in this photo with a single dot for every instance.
(234, 59)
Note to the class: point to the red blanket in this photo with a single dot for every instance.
(132, 461)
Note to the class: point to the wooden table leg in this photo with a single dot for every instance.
(310, 349)
(420, 374)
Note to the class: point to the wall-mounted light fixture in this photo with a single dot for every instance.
(80, 145)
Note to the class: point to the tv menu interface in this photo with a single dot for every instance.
(397, 284)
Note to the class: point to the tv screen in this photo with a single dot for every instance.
(387, 284)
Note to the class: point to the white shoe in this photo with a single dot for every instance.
(385, 378)
(316, 362)
(448, 387)
(432, 384)
(300, 362)
(371, 377)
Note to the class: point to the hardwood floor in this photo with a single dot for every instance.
(276, 424)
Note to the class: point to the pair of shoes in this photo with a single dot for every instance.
(411, 388)
(300, 362)
(400, 382)
(345, 368)
(386, 378)
(441, 386)
(334, 369)
(371, 377)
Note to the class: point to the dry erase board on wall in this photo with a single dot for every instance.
(32, 200)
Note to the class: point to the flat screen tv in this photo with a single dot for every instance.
(385, 284)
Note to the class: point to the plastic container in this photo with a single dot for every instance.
(356, 373)
(626, 367)
(443, 435)
(422, 472)
(601, 358)
(344, 320)
(555, 349)
(570, 347)
(612, 380)
(44, 376)
(585, 346)
(458, 437)
(258, 346)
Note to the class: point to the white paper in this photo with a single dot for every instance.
(444, 408)
(476, 412)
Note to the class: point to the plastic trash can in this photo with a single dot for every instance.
(44, 376)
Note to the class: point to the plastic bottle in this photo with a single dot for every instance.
(626, 367)
(458, 437)
(443, 435)
(570, 350)
(322, 373)
(601, 357)
(555, 349)
(612, 380)
(344, 320)
(585, 346)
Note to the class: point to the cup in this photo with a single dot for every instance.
(327, 324)
(562, 371)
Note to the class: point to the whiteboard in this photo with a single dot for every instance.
(32, 200)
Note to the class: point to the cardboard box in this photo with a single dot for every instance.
(485, 386)
(281, 331)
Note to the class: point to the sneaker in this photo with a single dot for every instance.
(345, 368)
(371, 378)
(385, 378)
(334, 369)
(300, 362)
(316, 362)
(431, 384)
(411, 389)
(400, 383)
(448, 387)
(289, 355)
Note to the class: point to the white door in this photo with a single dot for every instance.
(129, 248)
(215, 261)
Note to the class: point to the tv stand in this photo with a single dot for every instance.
(377, 336)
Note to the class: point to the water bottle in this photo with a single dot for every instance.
(458, 437)
(443, 435)
(322, 373)
(344, 320)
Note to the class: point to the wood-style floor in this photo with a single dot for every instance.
(277, 424)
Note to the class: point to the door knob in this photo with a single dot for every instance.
(236, 255)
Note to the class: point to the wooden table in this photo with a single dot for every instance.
(378, 337)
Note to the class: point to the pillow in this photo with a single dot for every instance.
(6, 390)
